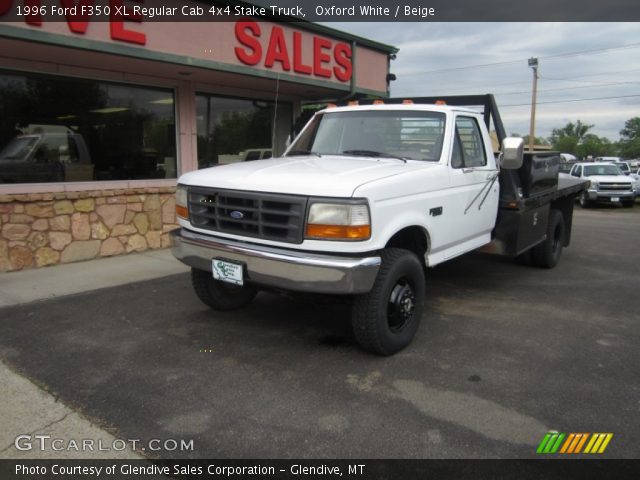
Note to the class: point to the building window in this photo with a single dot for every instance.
(234, 130)
(58, 129)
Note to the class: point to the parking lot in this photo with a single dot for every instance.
(505, 353)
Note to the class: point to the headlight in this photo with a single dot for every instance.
(339, 221)
(593, 184)
(182, 210)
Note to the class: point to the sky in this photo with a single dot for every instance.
(443, 58)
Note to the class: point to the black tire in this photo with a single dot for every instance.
(547, 254)
(221, 295)
(584, 200)
(386, 319)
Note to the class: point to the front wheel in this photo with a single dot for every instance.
(547, 254)
(220, 295)
(386, 319)
(584, 200)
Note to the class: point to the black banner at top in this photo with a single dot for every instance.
(322, 10)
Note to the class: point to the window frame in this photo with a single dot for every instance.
(457, 140)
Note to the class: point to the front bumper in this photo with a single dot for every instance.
(279, 268)
(599, 195)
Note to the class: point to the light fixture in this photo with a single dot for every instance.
(109, 110)
(163, 101)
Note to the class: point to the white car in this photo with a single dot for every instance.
(607, 184)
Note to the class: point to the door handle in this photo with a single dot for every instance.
(468, 170)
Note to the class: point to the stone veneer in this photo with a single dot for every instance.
(40, 229)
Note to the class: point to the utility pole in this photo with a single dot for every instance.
(533, 63)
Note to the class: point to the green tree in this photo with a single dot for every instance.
(576, 130)
(595, 146)
(630, 138)
(566, 145)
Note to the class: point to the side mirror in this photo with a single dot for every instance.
(512, 153)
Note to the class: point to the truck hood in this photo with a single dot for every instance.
(610, 178)
(329, 175)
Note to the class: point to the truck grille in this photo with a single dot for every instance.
(614, 187)
(249, 214)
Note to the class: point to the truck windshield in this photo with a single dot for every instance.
(590, 170)
(410, 135)
(18, 148)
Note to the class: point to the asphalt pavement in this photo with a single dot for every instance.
(504, 354)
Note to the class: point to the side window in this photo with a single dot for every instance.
(470, 146)
(456, 155)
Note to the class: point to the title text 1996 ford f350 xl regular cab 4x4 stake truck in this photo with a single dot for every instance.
(363, 201)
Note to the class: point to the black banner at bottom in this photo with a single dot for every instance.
(546, 469)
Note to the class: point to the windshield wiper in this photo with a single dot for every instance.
(373, 153)
(303, 152)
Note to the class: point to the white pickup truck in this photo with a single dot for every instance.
(364, 200)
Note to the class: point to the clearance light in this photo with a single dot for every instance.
(407, 102)
(378, 102)
(353, 103)
(335, 221)
(440, 102)
(181, 202)
(331, 105)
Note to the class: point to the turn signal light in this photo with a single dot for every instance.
(340, 232)
(182, 212)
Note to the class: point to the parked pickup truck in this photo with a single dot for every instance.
(607, 183)
(364, 200)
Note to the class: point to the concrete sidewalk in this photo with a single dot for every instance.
(27, 409)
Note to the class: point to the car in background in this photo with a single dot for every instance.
(624, 166)
(607, 184)
(45, 157)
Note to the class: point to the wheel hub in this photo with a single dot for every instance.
(402, 302)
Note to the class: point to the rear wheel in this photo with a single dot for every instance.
(547, 254)
(221, 295)
(386, 319)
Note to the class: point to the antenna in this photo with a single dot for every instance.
(275, 117)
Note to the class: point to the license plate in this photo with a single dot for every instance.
(615, 199)
(227, 271)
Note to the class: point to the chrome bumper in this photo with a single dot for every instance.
(606, 195)
(278, 268)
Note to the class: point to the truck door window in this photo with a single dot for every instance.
(470, 144)
(577, 171)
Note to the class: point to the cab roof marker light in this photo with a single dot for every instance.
(407, 101)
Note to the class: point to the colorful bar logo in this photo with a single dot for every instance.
(555, 442)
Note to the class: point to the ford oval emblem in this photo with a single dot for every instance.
(236, 214)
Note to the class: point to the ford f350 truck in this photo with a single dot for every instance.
(364, 201)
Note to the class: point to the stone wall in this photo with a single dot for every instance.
(41, 229)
